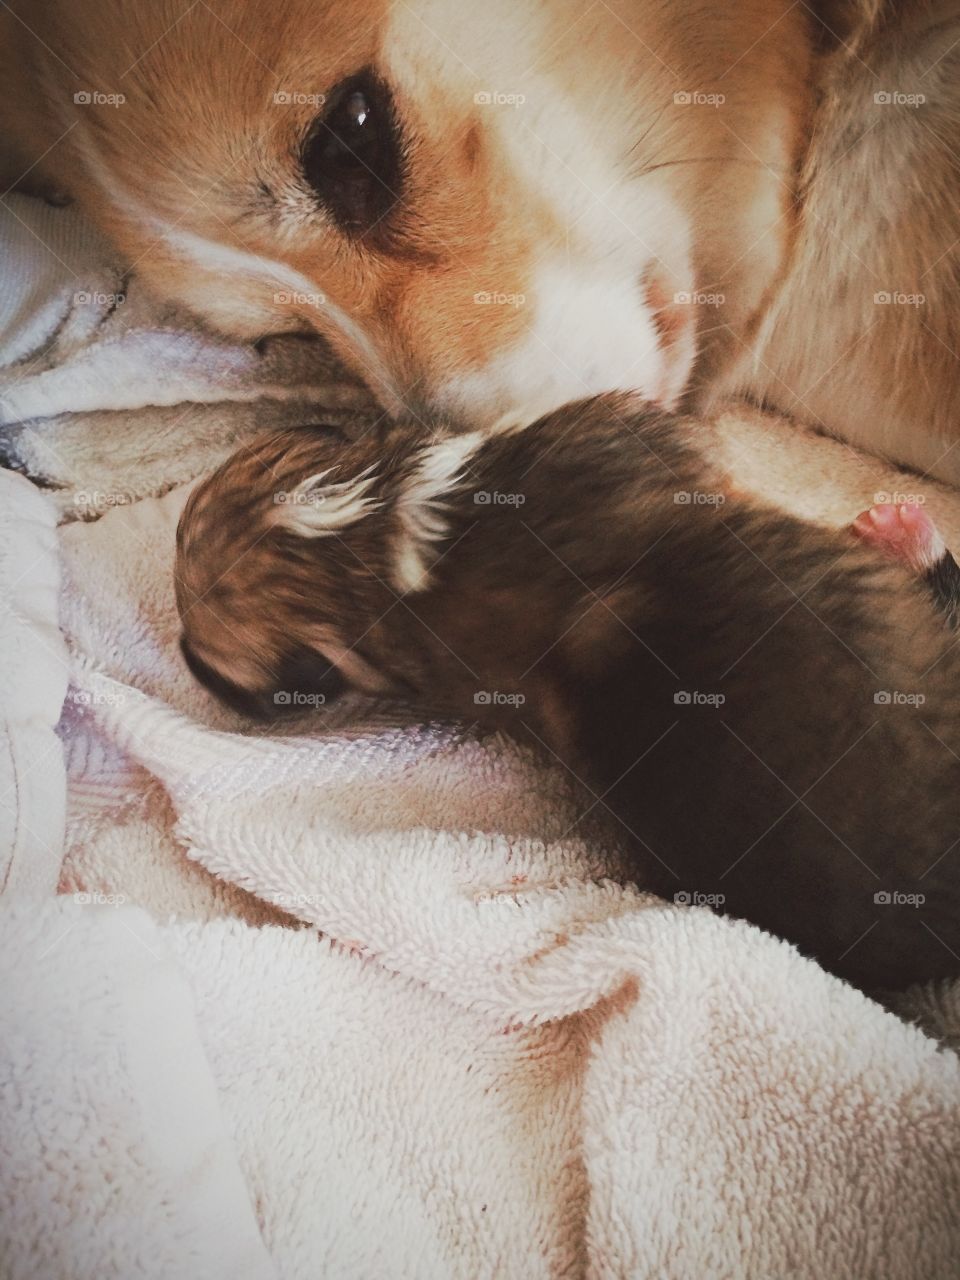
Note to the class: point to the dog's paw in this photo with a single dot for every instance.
(902, 532)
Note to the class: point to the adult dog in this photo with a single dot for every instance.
(493, 209)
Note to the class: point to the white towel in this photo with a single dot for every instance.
(460, 1049)
(713, 1105)
(115, 1158)
(107, 394)
(34, 670)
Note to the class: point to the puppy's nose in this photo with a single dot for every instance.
(231, 695)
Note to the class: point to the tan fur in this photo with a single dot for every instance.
(881, 197)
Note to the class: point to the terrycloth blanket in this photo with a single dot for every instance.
(359, 998)
(109, 395)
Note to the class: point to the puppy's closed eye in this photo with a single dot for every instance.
(351, 156)
(304, 681)
(308, 680)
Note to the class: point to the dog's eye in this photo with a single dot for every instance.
(351, 156)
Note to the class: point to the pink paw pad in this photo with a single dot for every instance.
(903, 532)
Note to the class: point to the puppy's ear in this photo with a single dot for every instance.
(319, 507)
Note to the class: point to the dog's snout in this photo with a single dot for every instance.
(587, 333)
(230, 694)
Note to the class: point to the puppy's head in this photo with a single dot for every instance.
(293, 557)
(486, 208)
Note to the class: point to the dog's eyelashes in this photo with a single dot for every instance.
(351, 155)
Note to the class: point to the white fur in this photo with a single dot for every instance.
(315, 509)
(419, 507)
(591, 331)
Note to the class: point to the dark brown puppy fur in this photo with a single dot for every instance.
(820, 782)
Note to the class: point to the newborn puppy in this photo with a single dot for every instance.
(767, 708)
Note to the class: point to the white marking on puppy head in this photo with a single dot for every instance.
(419, 507)
(317, 509)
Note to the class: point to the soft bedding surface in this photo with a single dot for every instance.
(363, 998)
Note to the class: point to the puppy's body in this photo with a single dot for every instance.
(768, 709)
(674, 197)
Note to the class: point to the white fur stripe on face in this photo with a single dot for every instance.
(419, 507)
(240, 264)
(319, 507)
(224, 258)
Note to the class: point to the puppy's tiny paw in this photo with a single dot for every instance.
(902, 532)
